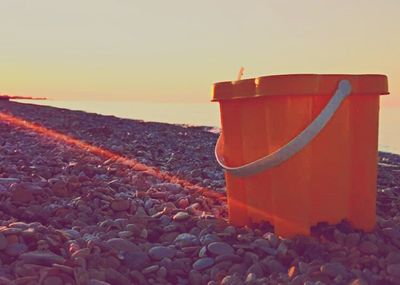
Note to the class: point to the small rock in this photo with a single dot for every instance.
(9, 180)
(393, 257)
(257, 270)
(230, 257)
(180, 216)
(16, 249)
(203, 263)
(185, 239)
(114, 277)
(250, 278)
(120, 205)
(84, 252)
(21, 195)
(121, 244)
(220, 248)
(333, 269)
(125, 234)
(209, 238)
(139, 277)
(394, 269)
(358, 281)
(97, 282)
(275, 266)
(72, 234)
(136, 260)
(162, 272)
(352, 239)
(231, 280)
(272, 239)
(60, 189)
(368, 247)
(230, 230)
(194, 277)
(150, 269)
(3, 242)
(160, 252)
(53, 280)
(183, 203)
(45, 258)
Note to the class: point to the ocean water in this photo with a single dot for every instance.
(206, 114)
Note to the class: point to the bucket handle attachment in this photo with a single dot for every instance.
(295, 145)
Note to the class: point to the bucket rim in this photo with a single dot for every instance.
(298, 84)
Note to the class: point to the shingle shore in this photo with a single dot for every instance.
(69, 216)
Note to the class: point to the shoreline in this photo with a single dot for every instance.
(68, 214)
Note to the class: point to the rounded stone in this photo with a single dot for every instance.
(394, 270)
(3, 242)
(136, 260)
(368, 247)
(220, 248)
(181, 216)
(16, 249)
(45, 258)
(160, 252)
(53, 280)
(121, 244)
(185, 239)
(203, 263)
(333, 269)
(120, 205)
(209, 238)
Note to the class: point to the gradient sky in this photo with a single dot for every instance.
(174, 50)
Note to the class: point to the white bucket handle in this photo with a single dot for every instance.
(295, 145)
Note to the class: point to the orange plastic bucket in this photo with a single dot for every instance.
(300, 149)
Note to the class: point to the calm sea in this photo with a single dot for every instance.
(205, 114)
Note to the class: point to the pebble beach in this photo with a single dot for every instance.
(92, 199)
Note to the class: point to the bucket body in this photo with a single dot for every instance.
(332, 178)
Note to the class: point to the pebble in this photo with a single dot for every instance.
(394, 269)
(195, 277)
(120, 205)
(352, 239)
(220, 248)
(46, 258)
(16, 249)
(333, 269)
(160, 252)
(150, 269)
(275, 266)
(393, 257)
(136, 260)
(231, 280)
(97, 282)
(209, 238)
(21, 195)
(53, 280)
(60, 189)
(203, 263)
(72, 234)
(121, 244)
(114, 277)
(185, 239)
(3, 242)
(368, 247)
(181, 216)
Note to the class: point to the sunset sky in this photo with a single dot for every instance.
(174, 50)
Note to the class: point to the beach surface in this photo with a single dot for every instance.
(92, 199)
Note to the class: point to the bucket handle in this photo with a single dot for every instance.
(295, 145)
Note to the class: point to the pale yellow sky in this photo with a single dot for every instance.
(174, 50)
